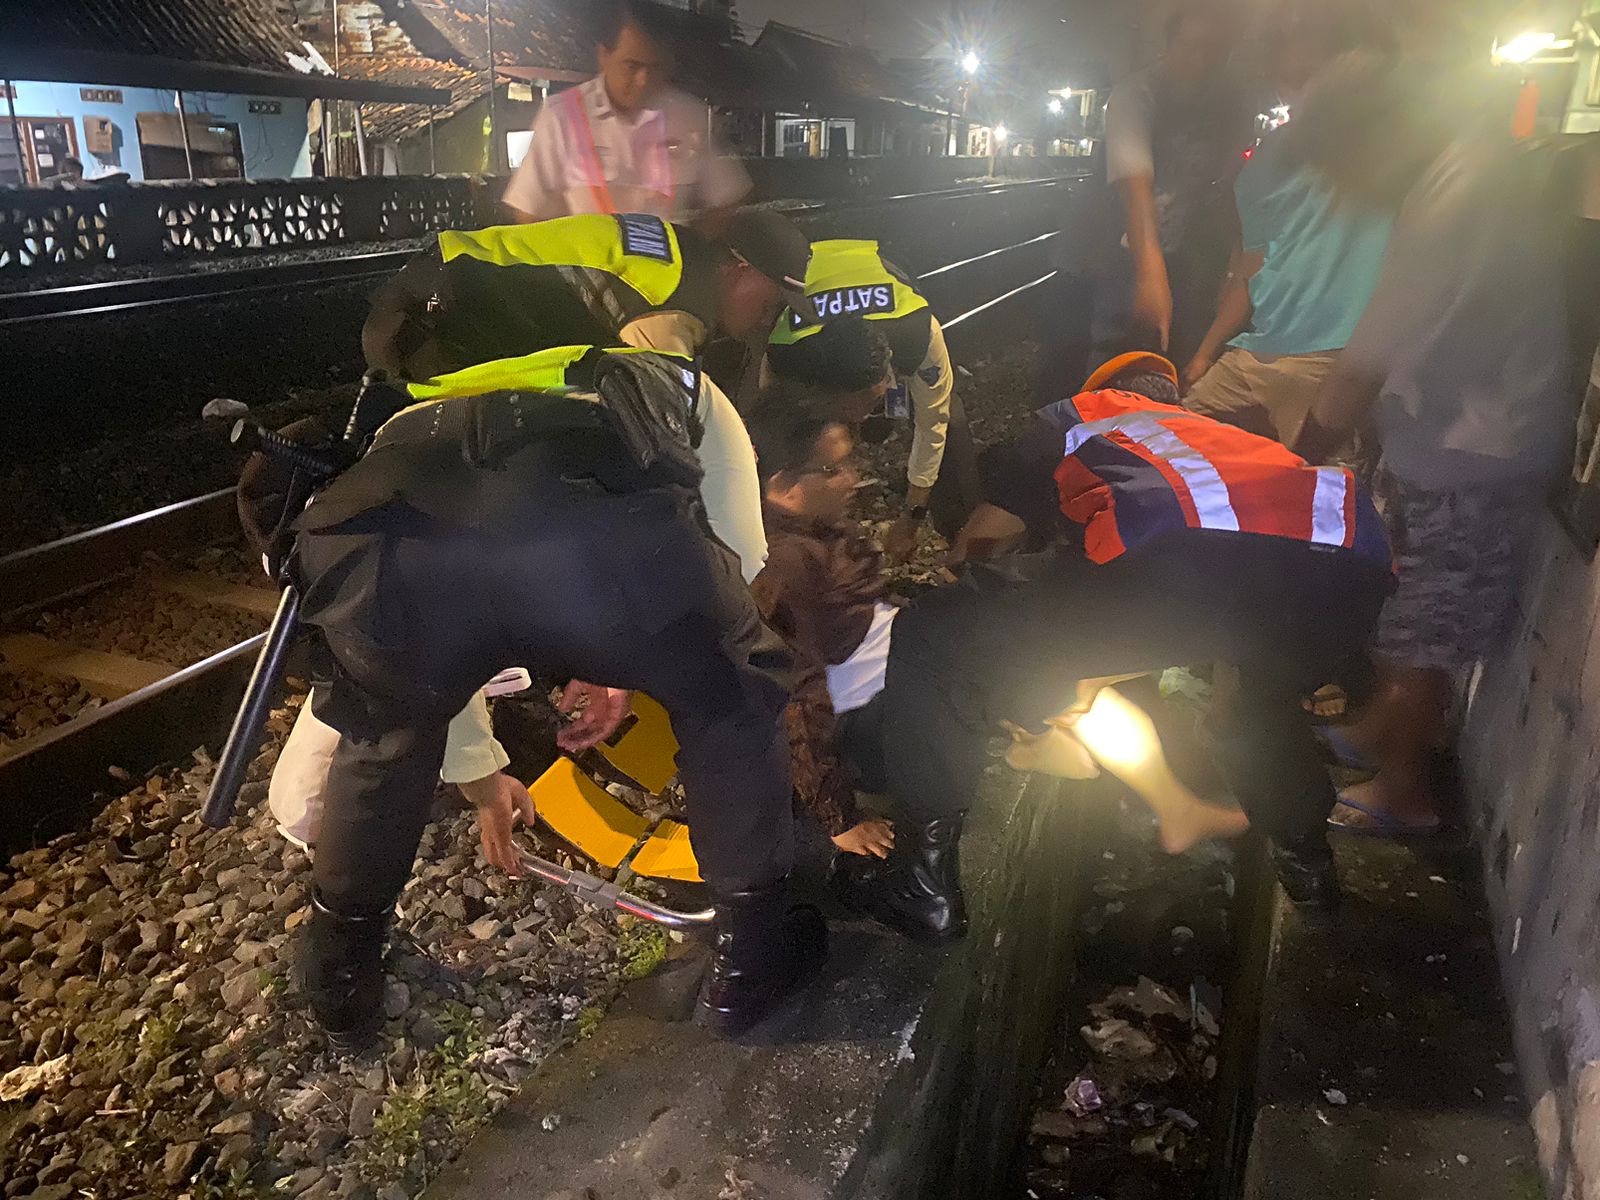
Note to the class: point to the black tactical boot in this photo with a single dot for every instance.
(917, 889)
(341, 971)
(1306, 870)
(767, 949)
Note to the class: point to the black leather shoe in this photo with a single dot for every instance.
(917, 889)
(766, 951)
(341, 972)
(1307, 872)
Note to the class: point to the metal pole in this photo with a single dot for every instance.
(16, 134)
(494, 121)
(433, 149)
(183, 128)
(331, 155)
(361, 143)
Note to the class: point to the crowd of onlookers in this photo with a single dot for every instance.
(1379, 281)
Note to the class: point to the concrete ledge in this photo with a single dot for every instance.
(1385, 1057)
(905, 1072)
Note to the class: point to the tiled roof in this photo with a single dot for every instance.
(561, 35)
(235, 33)
(390, 122)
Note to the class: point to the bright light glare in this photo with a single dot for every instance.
(970, 62)
(1525, 45)
(1118, 732)
(1001, 133)
(1055, 106)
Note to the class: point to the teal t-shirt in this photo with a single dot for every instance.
(1321, 258)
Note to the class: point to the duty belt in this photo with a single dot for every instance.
(492, 425)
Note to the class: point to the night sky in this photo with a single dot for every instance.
(1072, 33)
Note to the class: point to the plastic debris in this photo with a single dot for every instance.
(1182, 1119)
(1147, 998)
(551, 1123)
(1083, 1097)
(21, 1082)
(1115, 1038)
(1335, 1097)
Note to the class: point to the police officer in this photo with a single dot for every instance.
(851, 279)
(540, 511)
(502, 293)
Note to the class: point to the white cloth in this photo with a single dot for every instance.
(859, 678)
(658, 160)
(1467, 329)
(295, 793)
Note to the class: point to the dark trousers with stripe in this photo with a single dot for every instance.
(1010, 640)
(621, 590)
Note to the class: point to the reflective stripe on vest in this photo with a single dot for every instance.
(639, 249)
(542, 371)
(847, 278)
(1213, 475)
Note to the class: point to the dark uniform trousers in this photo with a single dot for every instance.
(569, 580)
(1010, 641)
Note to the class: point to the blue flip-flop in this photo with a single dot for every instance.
(1383, 825)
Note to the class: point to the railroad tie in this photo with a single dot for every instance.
(110, 676)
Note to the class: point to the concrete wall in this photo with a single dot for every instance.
(275, 145)
(1531, 754)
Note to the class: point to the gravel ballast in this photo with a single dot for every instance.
(153, 1041)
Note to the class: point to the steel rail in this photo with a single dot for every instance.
(57, 570)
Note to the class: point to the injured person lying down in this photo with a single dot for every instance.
(1168, 539)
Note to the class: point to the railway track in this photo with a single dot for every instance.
(151, 715)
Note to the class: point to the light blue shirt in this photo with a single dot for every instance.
(1321, 259)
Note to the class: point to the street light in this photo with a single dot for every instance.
(970, 62)
(1001, 133)
(1054, 106)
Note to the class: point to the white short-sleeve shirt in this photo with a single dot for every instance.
(587, 157)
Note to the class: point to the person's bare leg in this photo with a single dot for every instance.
(1401, 730)
(1131, 751)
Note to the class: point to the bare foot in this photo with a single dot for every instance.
(1189, 825)
(1054, 752)
(1385, 802)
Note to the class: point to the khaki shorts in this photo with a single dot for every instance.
(1269, 396)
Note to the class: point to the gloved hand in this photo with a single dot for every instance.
(272, 493)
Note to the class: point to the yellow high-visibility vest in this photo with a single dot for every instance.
(847, 278)
(639, 249)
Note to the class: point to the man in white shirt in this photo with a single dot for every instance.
(625, 141)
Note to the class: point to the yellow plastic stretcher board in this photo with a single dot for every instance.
(647, 752)
(601, 827)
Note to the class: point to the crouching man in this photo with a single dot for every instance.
(1173, 539)
(542, 511)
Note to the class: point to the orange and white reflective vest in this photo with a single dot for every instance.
(1133, 469)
